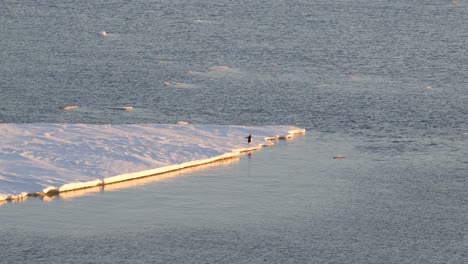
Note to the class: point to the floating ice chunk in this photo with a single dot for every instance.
(18, 197)
(70, 107)
(339, 157)
(198, 21)
(125, 108)
(173, 83)
(179, 84)
(219, 68)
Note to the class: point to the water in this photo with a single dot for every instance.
(381, 82)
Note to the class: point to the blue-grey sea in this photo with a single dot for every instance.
(382, 82)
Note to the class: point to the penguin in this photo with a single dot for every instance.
(249, 138)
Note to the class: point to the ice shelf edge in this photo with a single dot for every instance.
(73, 186)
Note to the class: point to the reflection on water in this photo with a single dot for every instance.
(127, 184)
(140, 181)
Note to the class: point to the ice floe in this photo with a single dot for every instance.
(46, 159)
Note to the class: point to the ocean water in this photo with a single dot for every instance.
(383, 83)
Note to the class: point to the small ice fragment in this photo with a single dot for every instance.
(180, 84)
(339, 157)
(70, 107)
(218, 68)
(125, 108)
(196, 21)
(18, 197)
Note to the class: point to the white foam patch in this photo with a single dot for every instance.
(38, 159)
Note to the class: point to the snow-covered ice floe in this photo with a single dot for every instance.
(46, 159)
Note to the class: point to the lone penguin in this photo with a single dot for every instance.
(249, 138)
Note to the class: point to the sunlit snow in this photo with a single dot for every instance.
(51, 158)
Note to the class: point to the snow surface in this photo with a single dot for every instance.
(38, 159)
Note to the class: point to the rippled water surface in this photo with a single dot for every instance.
(381, 82)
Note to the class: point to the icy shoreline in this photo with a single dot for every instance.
(46, 159)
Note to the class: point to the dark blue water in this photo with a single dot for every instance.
(382, 82)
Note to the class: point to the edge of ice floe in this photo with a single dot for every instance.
(51, 190)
